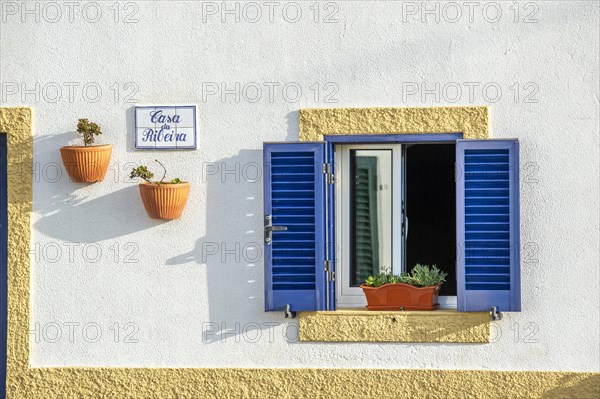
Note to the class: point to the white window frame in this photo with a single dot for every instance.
(353, 297)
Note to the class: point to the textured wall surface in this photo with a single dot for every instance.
(348, 325)
(17, 124)
(302, 383)
(472, 121)
(166, 288)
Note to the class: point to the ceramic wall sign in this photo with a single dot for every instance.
(166, 127)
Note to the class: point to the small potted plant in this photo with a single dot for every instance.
(87, 163)
(417, 290)
(162, 200)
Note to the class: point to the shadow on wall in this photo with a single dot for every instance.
(101, 218)
(573, 387)
(232, 250)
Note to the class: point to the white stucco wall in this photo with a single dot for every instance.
(370, 54)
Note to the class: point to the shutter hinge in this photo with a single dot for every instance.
(329, 177)
(330, 273)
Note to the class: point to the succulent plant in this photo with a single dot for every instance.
(88, 130)
(144, 173)
(420, 276)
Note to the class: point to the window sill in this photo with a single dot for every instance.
(358, 325)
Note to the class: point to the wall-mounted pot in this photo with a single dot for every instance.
(86, 164)
(165, 200)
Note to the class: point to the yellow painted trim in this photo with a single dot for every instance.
(471, 121)
(17, 124)
(26, 382)
(350, 325)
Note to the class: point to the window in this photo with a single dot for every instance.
(381, 191)
(400, 199)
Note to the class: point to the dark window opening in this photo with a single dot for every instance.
(431, 209)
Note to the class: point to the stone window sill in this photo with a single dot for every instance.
(358, 325)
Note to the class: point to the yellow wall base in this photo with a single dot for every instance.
(301, 383)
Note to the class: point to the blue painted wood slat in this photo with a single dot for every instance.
(487, 225)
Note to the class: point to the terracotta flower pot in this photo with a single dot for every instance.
(401, 296)
(165, 201)
(86, 164)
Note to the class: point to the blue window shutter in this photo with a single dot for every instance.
(487, 225)
(296, 197)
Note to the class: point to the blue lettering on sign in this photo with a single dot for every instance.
(158, 117)
(162, 136)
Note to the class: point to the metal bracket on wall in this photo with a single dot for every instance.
(495, 315)
(288, 313)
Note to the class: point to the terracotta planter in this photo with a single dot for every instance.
(401, 296)
(165, 201)
(86, 164)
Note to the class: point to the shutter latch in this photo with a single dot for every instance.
(269, 229)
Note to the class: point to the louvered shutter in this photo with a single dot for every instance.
(297, 198)
(365, 205)
(487, 217)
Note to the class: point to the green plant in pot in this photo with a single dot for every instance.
(417, 290)
(87, 163)
(162, 199)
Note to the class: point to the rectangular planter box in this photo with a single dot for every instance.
(400, 296)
